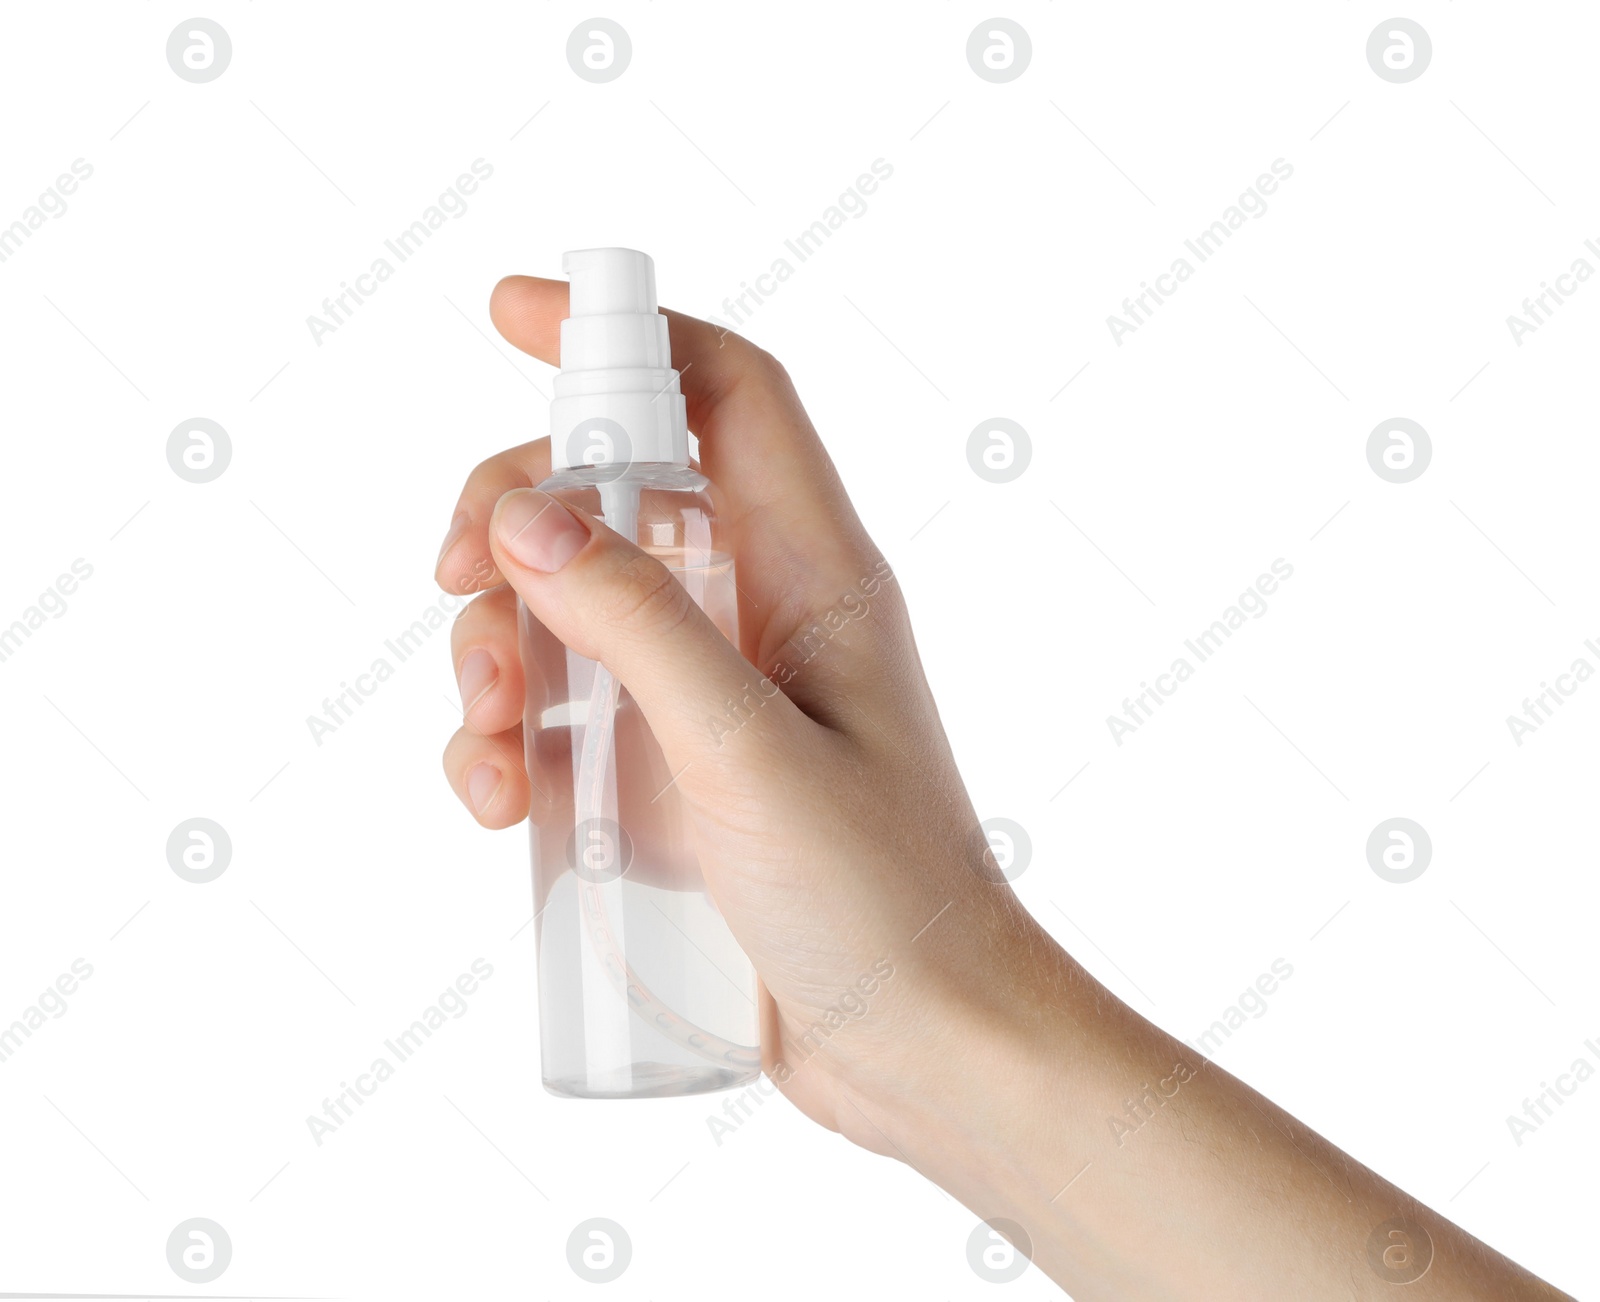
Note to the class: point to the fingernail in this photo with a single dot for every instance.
(482, 784)
(538, 531)
(458, 526)
(477, 675)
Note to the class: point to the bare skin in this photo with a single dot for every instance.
(836, 836)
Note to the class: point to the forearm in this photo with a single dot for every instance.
(1140, 1170)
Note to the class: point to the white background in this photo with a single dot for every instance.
(1227, 432)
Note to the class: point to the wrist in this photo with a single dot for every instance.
(977, 1052)
(1008, 1100)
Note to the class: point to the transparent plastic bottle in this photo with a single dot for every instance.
(643, 991)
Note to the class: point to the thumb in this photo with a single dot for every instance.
(609, 601)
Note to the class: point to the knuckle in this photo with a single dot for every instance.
(486, 469)
(488, 614)
(510, 467)
(770, 366)
(645, 599)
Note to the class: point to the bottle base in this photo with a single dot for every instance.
(651, 1080)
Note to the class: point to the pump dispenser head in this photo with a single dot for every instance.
(617, 399)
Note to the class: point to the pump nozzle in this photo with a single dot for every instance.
(609, 282)
(617, 401)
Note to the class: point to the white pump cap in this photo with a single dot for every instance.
(617, 400)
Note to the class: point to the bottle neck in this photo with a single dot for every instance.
(672, 476)
(618, 417)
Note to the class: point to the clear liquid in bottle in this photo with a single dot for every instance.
(643, 991)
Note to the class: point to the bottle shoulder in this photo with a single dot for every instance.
(664, 508)
(654, 476)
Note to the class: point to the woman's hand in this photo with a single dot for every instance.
(833, 828)
(838, 842)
